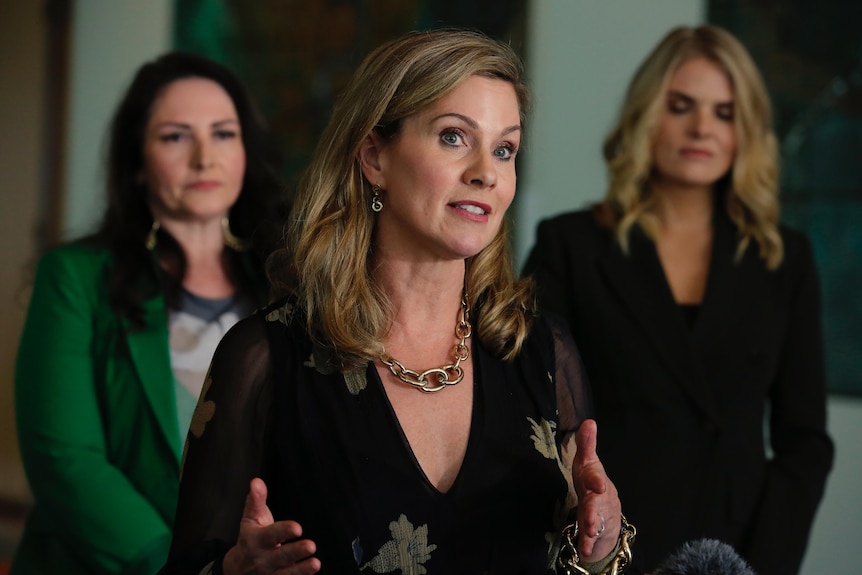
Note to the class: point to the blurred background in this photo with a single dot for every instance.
(64, 64)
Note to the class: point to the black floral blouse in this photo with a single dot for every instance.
(335, 459)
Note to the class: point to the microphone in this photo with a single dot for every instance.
(704, 557)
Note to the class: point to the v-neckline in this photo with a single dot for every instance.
(476, 421)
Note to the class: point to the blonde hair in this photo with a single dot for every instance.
(331, 230)
(752, 185)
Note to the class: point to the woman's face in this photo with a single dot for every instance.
(194, 158)
(695, 143)
(449, 175)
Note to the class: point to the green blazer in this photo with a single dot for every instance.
(97, 425)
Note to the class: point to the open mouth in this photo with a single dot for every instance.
(471, 208)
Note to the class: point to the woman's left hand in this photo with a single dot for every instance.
(599, 508)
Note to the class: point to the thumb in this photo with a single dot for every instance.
(587, 471)
(255, 510)
(585, 439)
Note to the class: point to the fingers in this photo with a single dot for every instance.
(294, 558)
(594, 521)
(599, 526)
(265, 545)
(598, 501)
(299, 555)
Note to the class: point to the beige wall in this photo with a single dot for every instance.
(22, 78)
(109, 40)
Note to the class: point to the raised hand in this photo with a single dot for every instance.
(598, 502)
(265, 546)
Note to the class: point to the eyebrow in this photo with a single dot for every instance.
(689, 99)
(185, 126)
(473, 124)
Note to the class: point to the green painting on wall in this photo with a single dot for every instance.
(296, 55)
(810, 54)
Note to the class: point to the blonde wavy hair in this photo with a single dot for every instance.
(329, 264)
(751, 187)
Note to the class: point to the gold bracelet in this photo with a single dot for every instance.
(568, 561)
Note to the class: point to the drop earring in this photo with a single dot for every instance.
(152, 236)
(376, 202)
(231, 240)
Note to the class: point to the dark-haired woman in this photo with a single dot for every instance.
(122, 324)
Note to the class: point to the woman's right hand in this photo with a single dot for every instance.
(265, 546)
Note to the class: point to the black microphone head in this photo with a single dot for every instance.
(704, 557)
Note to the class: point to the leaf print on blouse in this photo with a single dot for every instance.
(322, 361)
(408, 551)
(204, 410)
(203, 413)
(281, 314)
(544, 437)
(355, 381)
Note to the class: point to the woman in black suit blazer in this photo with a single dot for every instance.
(697, 314)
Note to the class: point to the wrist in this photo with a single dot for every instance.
(569, 560)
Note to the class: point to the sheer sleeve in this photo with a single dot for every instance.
(224, 447)
(574, 398)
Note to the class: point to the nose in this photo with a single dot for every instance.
(701, 123)
(482, 171)
(202, 155)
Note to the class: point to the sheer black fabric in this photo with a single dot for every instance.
(334, 457)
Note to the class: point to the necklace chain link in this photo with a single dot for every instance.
(437, 378)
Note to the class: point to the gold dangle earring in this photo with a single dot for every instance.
(231, 240)
(152, 236)
(376, 202)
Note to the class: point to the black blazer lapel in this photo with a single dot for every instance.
(731, 289)
(640, 283)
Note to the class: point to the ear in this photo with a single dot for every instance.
(369, 158)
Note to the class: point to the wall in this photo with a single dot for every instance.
(22, 90)
(832, 548)
(110, 40)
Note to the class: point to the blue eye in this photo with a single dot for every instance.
(506, 152)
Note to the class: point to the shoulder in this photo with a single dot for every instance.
(549, 330)
(277, 319)
(549, 324)
(245, 347)
(77, 270)
(578, 227)
(577, 220)
(797, 246)
(79, 255)
(568, 238)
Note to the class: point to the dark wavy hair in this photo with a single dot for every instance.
(127, 221)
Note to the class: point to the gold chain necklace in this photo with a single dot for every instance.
(437, 378)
